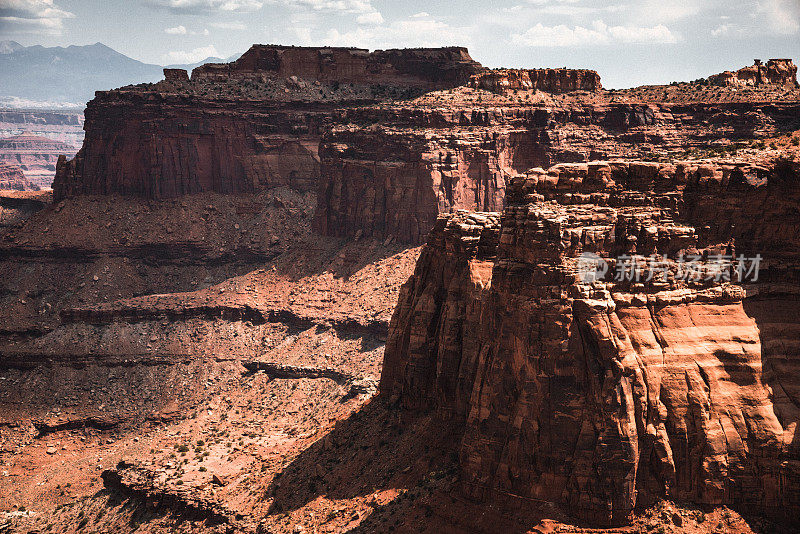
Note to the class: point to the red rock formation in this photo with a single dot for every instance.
(394, 179)
(162, 145)
(12, 177)
(215, 134)
(383, 166)
(610, 394)
(776, 72)
(549, 80)
(431, 68)
(176, 75)
(379, 182)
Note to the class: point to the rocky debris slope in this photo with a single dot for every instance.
(129, 328)
(17, 206)
(609, 394)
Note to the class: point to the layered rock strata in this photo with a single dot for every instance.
(779, 72)
(343, 123)
(391, 170)
(240, 127)
(429, 68)
(607, 392)
(162, 145)
(550, 80)
(35, 155)
(12, 177)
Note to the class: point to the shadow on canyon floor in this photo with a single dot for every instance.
(405, 465)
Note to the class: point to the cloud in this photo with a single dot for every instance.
(665, 11)
(598, 34)
(365, 11)
(181, 30)
(370, 18)
(721, 30)
(36, 16)
(420, 30)
(177, 30)
(193, 56)
(334, 6)
(783, 16)
(228, 25)
(196, 7)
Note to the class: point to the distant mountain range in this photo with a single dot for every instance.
(58, 77)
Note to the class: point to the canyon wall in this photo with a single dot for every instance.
(604, 393)
(382, 182)
(35, 155)
(384, 159)
(242, 126)
(550, 80)
(160, 145)
(389, 171)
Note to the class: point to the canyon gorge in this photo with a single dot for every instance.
(335, 290)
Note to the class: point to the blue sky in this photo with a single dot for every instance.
(628, 42)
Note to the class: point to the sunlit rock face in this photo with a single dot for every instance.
(779, 72)
(607, 391)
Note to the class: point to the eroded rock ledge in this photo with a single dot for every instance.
(608, 395)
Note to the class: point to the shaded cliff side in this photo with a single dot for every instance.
(550, 80)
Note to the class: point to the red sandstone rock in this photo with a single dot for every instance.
(157, 145)
(550, 80)
(176, 75)
(781, 72)
(608, 395)
(432, 68)
(12, 177)
(283, 116)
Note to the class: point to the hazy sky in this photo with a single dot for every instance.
(629, 42)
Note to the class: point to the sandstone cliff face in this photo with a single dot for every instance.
(241, 126)
(393, 169)
(550, 80)
(383, 182)
(779, 72)
(610, 394)
(158, 146)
